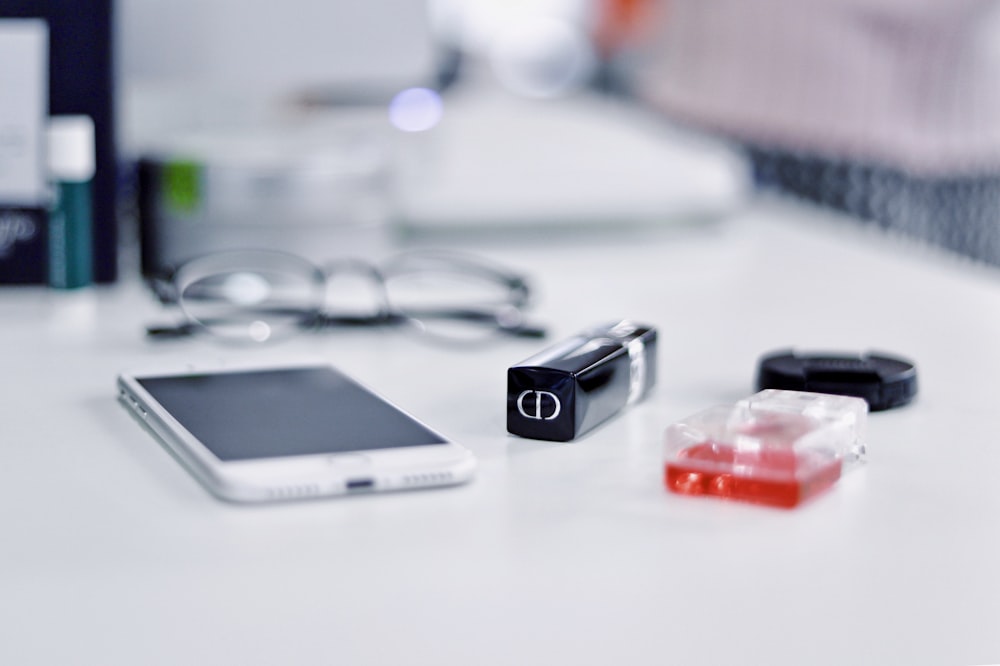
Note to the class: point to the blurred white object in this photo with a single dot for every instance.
(210, 64)
(535, 48)
(318, 189)
(584, 160)
(543, 57)
(913, 84)
(275, 48)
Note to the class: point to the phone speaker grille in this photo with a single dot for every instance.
(427, 479)
(294, 492)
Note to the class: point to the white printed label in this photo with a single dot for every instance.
(24, 46)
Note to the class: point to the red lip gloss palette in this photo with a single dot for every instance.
(778, 448)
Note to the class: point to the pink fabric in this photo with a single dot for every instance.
(910, 83)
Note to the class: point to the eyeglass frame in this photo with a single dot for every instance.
(508, 319)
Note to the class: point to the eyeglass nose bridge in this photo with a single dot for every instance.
(357, 288)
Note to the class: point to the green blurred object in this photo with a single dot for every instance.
(182, 185)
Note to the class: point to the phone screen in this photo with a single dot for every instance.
(243, 415)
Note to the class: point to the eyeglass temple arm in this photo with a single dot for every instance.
(184, 329)
(170, 331)
(507, 321)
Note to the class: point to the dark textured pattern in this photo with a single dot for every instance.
(959, 213)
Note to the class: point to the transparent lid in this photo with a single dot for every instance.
(775, 447)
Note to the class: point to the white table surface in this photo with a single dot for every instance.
(557, 553)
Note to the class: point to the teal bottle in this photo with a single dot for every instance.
(71, 170)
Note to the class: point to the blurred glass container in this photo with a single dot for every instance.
(317, 189)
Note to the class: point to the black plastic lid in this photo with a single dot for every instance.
(883, 381)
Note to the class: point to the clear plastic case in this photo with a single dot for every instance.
(776, 447)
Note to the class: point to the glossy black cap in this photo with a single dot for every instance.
(884, 381)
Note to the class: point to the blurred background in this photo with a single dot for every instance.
(333, 128)
(355, 123)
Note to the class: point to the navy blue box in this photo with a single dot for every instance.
(81, 81)
(23, 235)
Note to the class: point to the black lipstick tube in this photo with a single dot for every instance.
(567, 389)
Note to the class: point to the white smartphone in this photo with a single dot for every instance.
(265, 432)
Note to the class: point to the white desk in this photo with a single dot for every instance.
(557, 553)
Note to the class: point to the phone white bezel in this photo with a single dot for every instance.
(294, 477)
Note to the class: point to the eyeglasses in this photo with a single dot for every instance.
(261, 295)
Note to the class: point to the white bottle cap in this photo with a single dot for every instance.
(71, 148)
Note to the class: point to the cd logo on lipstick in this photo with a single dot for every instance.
(546, 399)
